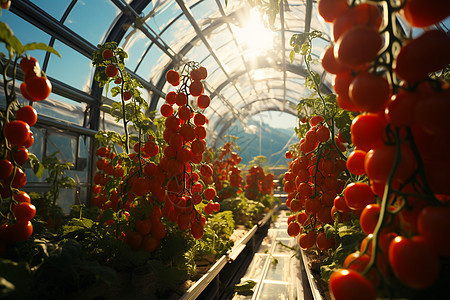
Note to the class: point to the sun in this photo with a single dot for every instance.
(254, 37)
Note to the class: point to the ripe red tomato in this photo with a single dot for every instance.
(158, 229)
(196, 88)
(370, 92)
(368, 131)
(20, 231)
(24, 211)
(20, 155)
(355, 162)
(323, 243)
(6, 168)
(206, 170)
(358, 195)
(400, 109)
(166, 110)
(379, 162)
(38, 88)
(173, 77)
(144, 227)
(16, 132)
(423, 272)
(181, 99)
(107, 54)
(329, 10)
(293, 229)
(349, 284)
(307, 240)
(428, 113)
(210, 193)
(111, 71)
(365, 14)
(197, 230)
(27, 114)
(414, 61)
(433, 224)
(140, 186)
(323, 134)
(28, 63)
(424, 13)
(369, 218)
(330, 64)
(203, 72)
(126, 95)
(358, 46)
(203, 101)
(170, 97)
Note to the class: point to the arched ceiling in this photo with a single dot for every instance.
(249, 70)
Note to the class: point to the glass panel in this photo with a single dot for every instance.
(72, 68)
(135, 43)
(26, 33)
(64, 144)
(61, 108)
(54, 8)
(86, 20)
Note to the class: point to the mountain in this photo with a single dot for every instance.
(274, 142)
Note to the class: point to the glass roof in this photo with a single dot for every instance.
(249, 71)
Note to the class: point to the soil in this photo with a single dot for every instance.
(315, 260)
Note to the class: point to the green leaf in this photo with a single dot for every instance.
(40, 46)
(292, 56)
(245, 286)
(36, 165)
(7, 37)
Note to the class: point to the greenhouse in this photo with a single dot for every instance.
(225, 149)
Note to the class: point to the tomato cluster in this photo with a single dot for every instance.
(227, 175)
(399, 139)
(16, 138)
(257, 183)
(164, 179)
(314, 179)
(36, 86)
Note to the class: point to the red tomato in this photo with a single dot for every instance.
(203, 101)
(379, 162)
(355, 162)
(323, 243)
(173, 77)
(370, 92)
(144, 227)
(24, 211)
(196, 88)
(424, 13)
(307, 240)
(431, 112)
(351, 285)
(20, 155)
(421, 274)
(20, 231)
(368, 131)
(330, 9)
(38, 88)
(16, 132)
(6, 168)
(27, 114)
(140, 186)
(365, 14)
(358, 47)
(210, 193)
(358, 195)
(330, 64)
(433, 224)
(107, 54)
(293, 229)
(27, 64)
(414, 61)
(111, 71)
(197, 230)
(400, 109)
